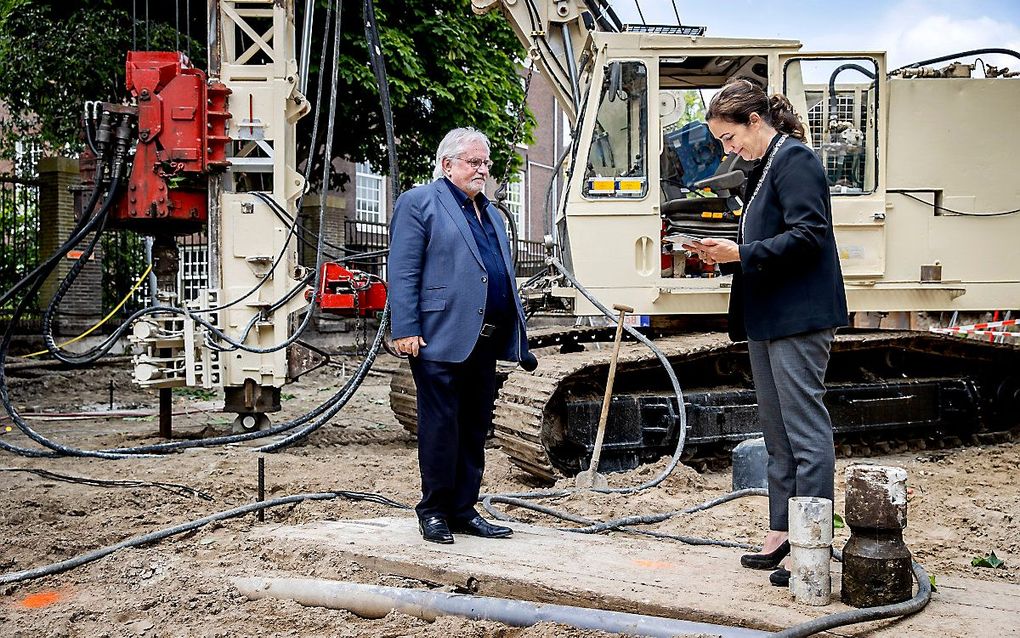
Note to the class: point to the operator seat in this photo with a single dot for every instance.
(716, 216)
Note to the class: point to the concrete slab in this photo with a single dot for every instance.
(635, 574)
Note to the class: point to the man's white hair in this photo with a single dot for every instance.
(454, 144)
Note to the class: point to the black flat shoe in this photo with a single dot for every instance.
(478, 526)
(435, 530)
(766, 561)
(780, 577)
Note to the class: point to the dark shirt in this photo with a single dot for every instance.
(499, 305)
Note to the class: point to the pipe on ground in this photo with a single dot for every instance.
(374, 601)
(810, 549)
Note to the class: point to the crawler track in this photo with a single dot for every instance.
(531, 422)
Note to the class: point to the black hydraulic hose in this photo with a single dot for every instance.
(72, 275)
(549, 218)
(832, 83)
(260, 314)
(4, 390)
(318, 105)
(284, 216)
(341, 397)
(912, 606)
(328, 408)
(953, 56)
(287, 219)
(677, 419)
(173, 488)
(77, 234)
(626, 524)
(598, 11)
(649, 519)
(378, 63)
(35, 279)
(351, 387)
(152, 537)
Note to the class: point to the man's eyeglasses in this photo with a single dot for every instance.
(475, 162)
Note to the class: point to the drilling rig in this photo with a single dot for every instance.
(216, 152)
(920, 177)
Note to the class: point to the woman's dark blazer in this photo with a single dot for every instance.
(788, 280)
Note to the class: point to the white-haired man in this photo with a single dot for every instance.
(455, 312)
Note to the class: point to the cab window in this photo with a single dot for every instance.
(617, 163)
(841, 99)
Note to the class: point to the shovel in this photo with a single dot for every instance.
(590, 478)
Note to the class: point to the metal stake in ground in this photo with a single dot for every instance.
(590, 478)
(166, 412)
(262, 488)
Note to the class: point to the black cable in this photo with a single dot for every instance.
(378, 63)
(352, 386)
(89, 137)
(4, 389)
(152, 537)
(953, 56)
(175, 488)
(956, 212)
(318, 105)
(912, 606)
(284, 216)
(35, 280)
(72, 274)
(637, 3)
(77, 234)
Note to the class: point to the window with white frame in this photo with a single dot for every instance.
(515, 202)
(194, 270)
(369, 195)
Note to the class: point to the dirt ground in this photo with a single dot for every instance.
(965, 502)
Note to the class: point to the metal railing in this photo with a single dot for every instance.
(530, 258)
(19, 244)
(362, 237)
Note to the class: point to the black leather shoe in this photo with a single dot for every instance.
(478, 526)
(435, 530)
(780, 577)
(766, 561)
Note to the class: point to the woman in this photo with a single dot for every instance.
(787, 297)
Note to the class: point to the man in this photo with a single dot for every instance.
(455, 312)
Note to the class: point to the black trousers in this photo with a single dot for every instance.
(455, 402)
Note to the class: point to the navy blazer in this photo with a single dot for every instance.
(788, 280)
(437, 281)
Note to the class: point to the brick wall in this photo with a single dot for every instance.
(82, 306)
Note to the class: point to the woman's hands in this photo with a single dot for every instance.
(715, 251)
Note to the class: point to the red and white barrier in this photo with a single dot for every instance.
(991, 329)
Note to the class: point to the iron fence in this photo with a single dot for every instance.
(364, 237)
(19, 245)
(530, 258)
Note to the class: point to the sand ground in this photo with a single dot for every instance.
(965, 502)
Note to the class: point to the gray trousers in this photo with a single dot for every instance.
(789, 378)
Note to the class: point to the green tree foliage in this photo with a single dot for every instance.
(56, 55)
(447, 68)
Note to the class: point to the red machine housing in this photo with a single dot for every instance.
(182, 137)
(350, 293)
